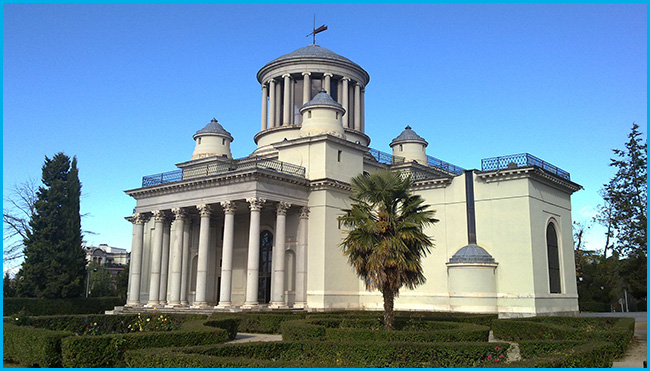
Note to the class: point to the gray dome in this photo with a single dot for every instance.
(472, 253)
(323, 99)
(312, 51)
(213, 127)
(408, 135)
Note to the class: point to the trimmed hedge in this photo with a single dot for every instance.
(40, 307)
(618, 331)
(108, 350)
(563, 354)
(319, 354)
(261, 323)
(32, 346)
(368, 330)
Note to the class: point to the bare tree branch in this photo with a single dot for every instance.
(16, 217)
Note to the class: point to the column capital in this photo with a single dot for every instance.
(345, 78)
(159, 216)
(306, 73)
(255, 203)
(139, 218)
(204, 210)
(356, 83)
(229, 207)
(304, 212)
(264, 86)
(327, 74)
(271, 81)
(286, 75)
(283, 207)
(179, 213)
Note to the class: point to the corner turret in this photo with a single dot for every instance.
(212, 140)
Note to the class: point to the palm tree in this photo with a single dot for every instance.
(385, 242)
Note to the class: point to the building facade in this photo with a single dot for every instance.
(262, 231)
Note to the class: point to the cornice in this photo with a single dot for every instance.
(217, 181)
(329, 184)
(319, 138)
(432, 183)
(531, 172)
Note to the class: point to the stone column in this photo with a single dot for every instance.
(292, 98)
(272, 99)
(164, 264)
(345, 102)
(306, 87)
(265, 105)
(225, 293)
(363, 109)
(327, 83)
(339, 90)
(135, 265)
(301, 259)
(185, 271)
(156, 257)
(278, 104)
(202, 264)
(277, 277)
(176, 261)
(286, 101)
(252, 278)
(357, 106)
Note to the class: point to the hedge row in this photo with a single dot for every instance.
(321, 354)
(261, 323)
(618, 331)
(345, 330)
(32, 347)
(57, 342)
(108, 350)
(39, 307)
(563, 354)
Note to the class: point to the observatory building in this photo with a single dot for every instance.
(261, 232)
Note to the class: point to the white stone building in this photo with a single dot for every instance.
(262, 231)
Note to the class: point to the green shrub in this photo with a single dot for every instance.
(108, 350)
(262, 323)
(564, 354)
(32, 346)
(618, 331)
(320, 354)
(39, 307)
(370, 330)
(229, 324)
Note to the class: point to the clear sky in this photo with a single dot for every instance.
(125, 86)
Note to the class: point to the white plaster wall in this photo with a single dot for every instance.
(211, 145)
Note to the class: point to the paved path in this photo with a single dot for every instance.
(243, 337)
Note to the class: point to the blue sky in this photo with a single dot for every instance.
(125, 86)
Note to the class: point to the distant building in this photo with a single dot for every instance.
(114, 259)
(262, 232)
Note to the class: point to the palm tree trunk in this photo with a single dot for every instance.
(389, 315)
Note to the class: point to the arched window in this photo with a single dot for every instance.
(553, 260)
(266, 255)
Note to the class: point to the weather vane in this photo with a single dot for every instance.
(316, 30)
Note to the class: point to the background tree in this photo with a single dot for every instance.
(101, 282)
(8, 286)
(55, 263)
(386, 243)
(122, 283)
(627, 193)
(15, 219)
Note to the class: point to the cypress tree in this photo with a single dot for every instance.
(55, 263)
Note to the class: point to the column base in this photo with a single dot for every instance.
(203, 305)
(152, 305)
(224, 305)
(133, 305)
(299, 305)
(174, 306)
(250, 306)
(185, 303)
(278, 306)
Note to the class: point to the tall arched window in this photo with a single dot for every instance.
(553, 260)
(266, 255)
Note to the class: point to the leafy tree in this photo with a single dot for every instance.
(55, 263)
(101, 281)
(122, 283)
(8, 286)
(386, 242)
(627, 193)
